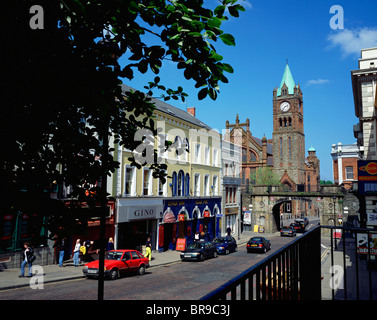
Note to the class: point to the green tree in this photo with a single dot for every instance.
(62, 95)
(265, 176)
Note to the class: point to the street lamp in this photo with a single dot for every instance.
(112, 52)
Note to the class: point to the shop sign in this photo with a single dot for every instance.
(372, 219)
(206, 214)
(233, 210)
(181, 217)
(362, 243)
(181, 244)
(367, 177)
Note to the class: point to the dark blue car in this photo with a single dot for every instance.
(199, 251)
(225, 245)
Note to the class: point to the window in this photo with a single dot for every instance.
(181, 181)
(215, 186)
(253, 158)
(162, 152)
(289, 146)
(244, 156)
(147, 182)
(162, 187)
(197, 153)
(215, 157)
(185, 148)
(187, 185)
(129, 181)
(197, 184)
(206, 155)
(206, 185)
(281, 147)
(174, 184)
(349, 173)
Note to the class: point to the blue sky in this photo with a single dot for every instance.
(320, 58)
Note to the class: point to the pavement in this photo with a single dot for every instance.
(53, 273)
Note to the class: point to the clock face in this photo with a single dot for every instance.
(285, 106)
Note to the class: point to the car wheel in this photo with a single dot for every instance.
(227, 251)
(141, 270)
(113, 274)
(264, 250)
(215, 254)
(202, 257)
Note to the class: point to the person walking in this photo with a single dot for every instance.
(148, 249)
(27, 259)
(76, 253)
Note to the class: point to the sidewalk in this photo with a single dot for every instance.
(53, 273)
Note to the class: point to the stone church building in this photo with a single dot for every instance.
(285, 152)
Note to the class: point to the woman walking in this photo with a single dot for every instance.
(27, 259)
(76, 253)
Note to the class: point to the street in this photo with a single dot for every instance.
(176, 281)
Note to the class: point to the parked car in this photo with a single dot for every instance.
(117, 263)
(199, 251)
(225, 244)
(298, 226)
(258, 244)
(288, 231)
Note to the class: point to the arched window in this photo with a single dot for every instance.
(174, 184)
(187, 185)
(181, 183)
(253, 158)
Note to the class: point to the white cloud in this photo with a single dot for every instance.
(352, 41)
(317, 81)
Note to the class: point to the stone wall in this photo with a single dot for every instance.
(44, 256)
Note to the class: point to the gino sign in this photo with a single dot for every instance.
(367, 177)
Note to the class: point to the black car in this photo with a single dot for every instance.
(199, 251)
(298, 226)
(288, 231)
(258, 244)
(225, 244)
(303, 220)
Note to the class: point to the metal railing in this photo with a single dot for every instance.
(346, 269)
(352, 253)
(292, 273)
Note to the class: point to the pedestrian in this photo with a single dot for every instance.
(197, 236)
(110, 245)
(148, 249)
(87, 256)
(76, 253)
(61, 249)
(228, 230)
(27, 259)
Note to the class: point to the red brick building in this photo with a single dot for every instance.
(345, 164)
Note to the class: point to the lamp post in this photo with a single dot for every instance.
(111, 49)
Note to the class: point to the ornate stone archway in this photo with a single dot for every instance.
(267, 200)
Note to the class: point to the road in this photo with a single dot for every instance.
(176, 281)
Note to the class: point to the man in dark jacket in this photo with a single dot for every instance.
(27, 254)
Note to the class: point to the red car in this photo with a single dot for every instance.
(117, 263)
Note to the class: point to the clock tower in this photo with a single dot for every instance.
(288, 132)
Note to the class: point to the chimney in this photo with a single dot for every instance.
(191, 110)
